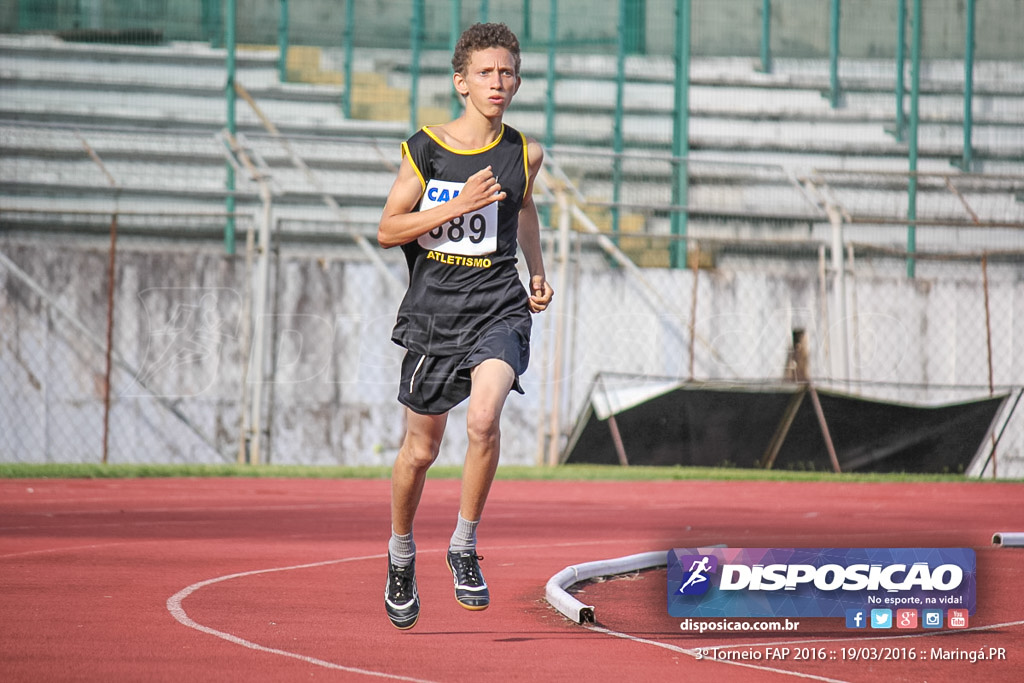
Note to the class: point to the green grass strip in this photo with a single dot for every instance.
(510, 472)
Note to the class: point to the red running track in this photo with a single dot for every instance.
(282, 580)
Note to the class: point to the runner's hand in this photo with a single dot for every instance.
(540, 293)
(481, 189)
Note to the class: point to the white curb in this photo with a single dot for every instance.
(1008, 539)
(555, 590)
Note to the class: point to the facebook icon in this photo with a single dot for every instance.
(856, 618)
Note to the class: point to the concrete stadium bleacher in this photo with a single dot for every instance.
(151, 113)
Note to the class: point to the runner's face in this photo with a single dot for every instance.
(490, 81)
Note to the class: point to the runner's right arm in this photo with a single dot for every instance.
(400, 223)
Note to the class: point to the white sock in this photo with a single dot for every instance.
(464, 538)
(402, 549)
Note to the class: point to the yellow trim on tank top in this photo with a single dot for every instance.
(526, 163)
(465, 151)
(405, 153)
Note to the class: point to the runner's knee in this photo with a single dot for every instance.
(482, 425)
(420, 454)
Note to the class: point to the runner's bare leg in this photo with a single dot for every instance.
(419, 450)
(492, 381)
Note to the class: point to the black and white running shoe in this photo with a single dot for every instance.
(401, 600)
(470, 587)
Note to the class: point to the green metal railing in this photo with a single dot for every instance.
(282, 43)
(414, 64)
(453, 37)
(915, 98)
(680, 133)
(833, 54)
(618, 135)
(230, 21)
(766, 36)
(681, 55)
(348, 40)
(965, 162)
(900, 130)
(551, 77)
(559, 28)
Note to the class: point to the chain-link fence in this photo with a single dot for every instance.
(789, 28)
(154, 378)
(596, 69)
(833, 275)
(186, 368)
(790, 207)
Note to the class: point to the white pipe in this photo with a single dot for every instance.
(259, 318)
(557, 596)
(840, 346)
(1008, 539)
(564, 224)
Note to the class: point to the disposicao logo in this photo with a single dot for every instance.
(696, 580)
(819, 582)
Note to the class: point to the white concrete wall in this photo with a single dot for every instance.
(333, 391)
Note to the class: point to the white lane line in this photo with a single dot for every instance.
(51, 514)
(701, 657)
(178, 612)
(46, 551)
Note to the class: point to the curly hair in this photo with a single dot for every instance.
(481, 37)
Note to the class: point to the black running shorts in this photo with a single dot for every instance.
(432, 385)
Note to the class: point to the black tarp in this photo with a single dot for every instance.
(711, 426)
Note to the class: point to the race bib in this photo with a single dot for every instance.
(471, 234)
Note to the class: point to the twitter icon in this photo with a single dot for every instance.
(881, 618)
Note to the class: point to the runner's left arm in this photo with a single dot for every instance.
(529, 235)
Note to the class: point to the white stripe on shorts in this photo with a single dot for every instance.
(413, 378)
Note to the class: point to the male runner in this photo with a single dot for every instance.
(462, 201)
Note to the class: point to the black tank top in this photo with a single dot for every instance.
(462, 274)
